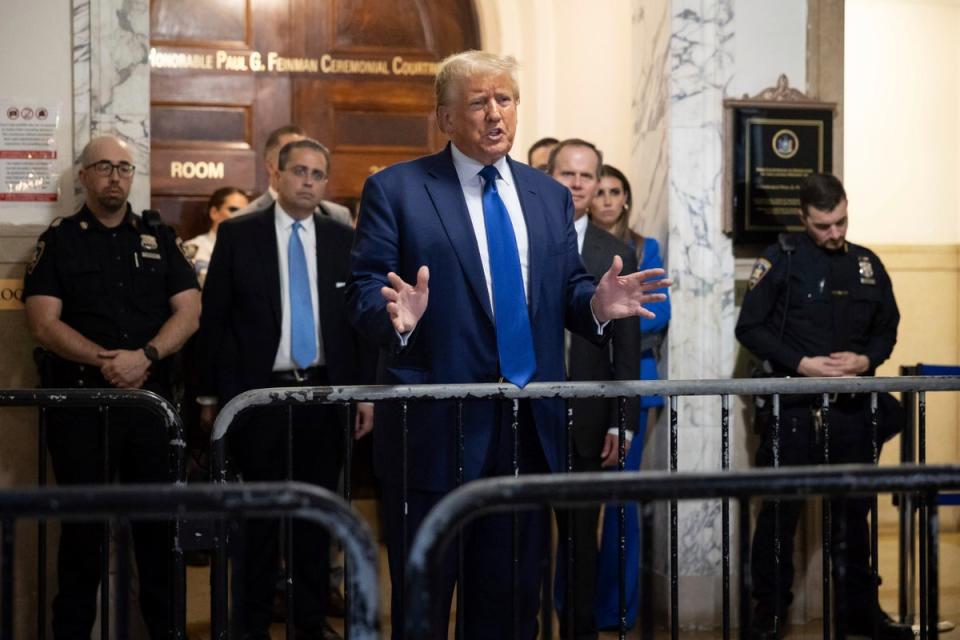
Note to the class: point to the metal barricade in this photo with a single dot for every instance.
(913, 449)
(443, 523)
(124, 503)
(102, 400)
(823, 388)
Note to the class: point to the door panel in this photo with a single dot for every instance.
(224, 74)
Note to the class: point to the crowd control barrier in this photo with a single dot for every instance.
(103, 400)
(823, 390)
(536, 491)
(121, 504)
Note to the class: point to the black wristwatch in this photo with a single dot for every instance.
(151, 352)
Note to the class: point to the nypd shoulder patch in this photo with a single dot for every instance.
(760, 268)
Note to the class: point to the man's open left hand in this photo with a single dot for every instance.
(624, 296)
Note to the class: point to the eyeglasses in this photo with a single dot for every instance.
(104, 169)
(301, 172)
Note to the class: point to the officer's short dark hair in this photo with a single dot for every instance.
(273, 140)
(542, 142)
(822, 191)
(303, 143)
(574, 142)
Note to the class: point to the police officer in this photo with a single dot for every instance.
(818, 305)
(110, 296)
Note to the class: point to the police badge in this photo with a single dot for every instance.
(866, 271)
(189, 250)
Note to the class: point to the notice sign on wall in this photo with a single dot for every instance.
(28, 151)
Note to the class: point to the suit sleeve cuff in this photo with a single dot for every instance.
(614, 431)
(601, 326)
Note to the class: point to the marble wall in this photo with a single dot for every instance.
(701, 259)
(111, 81)
(685, 54)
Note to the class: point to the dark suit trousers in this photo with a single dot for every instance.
(850, 442)
(258, 446)
(489, 604)
(583, 536)
(139, 453)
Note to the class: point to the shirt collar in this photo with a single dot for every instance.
(580, 224)
(285, 221)
(468, 168)
(86, 215)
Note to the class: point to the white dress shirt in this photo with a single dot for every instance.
(283, 223)
(580, 226)
(468, 171)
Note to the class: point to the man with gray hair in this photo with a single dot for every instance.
(494, 239)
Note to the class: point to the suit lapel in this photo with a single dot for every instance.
(266, 242)
(537, 236)
(592, 254)
(443, 185)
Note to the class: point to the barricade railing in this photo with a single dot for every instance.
(913, 449)
(121, 504)
(103, 400)
(444, 522)
(823, 391)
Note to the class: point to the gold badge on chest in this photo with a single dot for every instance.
(866, 271)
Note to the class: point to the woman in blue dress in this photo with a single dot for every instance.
(610, 211)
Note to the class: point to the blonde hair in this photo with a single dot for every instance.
(471, 63)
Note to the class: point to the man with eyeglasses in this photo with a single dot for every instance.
(274, 315)
(111, 297)
(271, 150)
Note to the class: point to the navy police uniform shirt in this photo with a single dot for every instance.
(115, 283)
(813, 302)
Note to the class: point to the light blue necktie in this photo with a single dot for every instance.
(514, 338)
(303, 335)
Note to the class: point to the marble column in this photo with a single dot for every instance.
(111, 80)
(702, 336)
(684, 60)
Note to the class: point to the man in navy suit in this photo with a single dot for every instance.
(274, 315)
(428, 284)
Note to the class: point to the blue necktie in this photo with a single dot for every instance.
(303, 336)
(514, 339)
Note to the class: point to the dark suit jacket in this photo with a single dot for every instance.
(414, 214)
(241, 316)
(619, 359)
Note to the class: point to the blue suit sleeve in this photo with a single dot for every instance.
(652, 260)
(375, 253)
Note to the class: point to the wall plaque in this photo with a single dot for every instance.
(773, 141)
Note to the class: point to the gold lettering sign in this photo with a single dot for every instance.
(178, 60)
(187, 170)
(274, 62)
(11, 294)
(416, 68)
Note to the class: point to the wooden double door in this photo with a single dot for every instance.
(355, 74)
